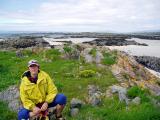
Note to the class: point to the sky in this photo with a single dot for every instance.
(80, 15)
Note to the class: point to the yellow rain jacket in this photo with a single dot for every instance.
(43, 91)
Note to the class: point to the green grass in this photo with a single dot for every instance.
(52, 54)
(93, 52)
(112, 109)
(65, 74)
(5, 113)
(109, 58)
(136, 91)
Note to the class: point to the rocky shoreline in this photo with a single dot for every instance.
(116, 41)
(33, 40)
(23, 42)
(149, 37)
(150, 62)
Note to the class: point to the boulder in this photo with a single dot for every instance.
(11, 96)
(76, 103)
(136, 100)
(99, 57)
(121, 93)
(108, 93)
(19, 53)
(94, 95)
(155, 89)
(88, 58)
(74, 112)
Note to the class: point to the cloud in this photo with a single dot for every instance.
(114, 15)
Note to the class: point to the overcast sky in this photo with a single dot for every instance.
(79, 15)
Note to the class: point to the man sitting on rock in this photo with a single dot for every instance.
(38, 93)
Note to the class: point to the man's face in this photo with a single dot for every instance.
(33, 69)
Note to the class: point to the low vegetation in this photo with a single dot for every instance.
(93, 52)
(136, 91)
(87, 73)
(109, 58)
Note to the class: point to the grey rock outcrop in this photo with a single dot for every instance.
(19, 53)
(136, 100)
(11, 96)
(75, 105)
(74, 112)
(121, 93)
(147, 36)
(128, 69)
(90, 58)
(94, 95)
(110, 41)
(150, 62)
(155, 89)
(23, 42)
(98, 57)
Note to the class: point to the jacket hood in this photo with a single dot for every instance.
(27, 74)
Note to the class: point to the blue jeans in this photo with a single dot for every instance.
(59, 99)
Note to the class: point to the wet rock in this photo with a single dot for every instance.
(150, 62)
(23, 42)
(115, 40)
(146, 36)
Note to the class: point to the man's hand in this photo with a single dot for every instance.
(36, 110)
(44, 106)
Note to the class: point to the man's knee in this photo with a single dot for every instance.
(61, 99)
(23, 114)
